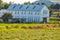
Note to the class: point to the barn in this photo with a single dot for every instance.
(29, 13)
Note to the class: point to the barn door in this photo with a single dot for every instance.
(44, 19)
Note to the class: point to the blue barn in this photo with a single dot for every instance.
(29, 13)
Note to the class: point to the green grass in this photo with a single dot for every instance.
(5, 24)
(28, 34)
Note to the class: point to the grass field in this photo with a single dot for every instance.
(13, 33)
(3, 25)
(28, 34)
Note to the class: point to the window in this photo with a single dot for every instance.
(34, 7)
(21, 12)
(24, 12)
(20, 6)
(38, 13)
(27, 7)
(0, 12)
(35, 12)
(29, 12)
(44, 11)
(15, 12)
(14, 7)
(18, 12)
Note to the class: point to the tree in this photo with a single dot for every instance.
(50, 12)
(6, 17)
(56, 6)
(0, 4)
(6, 6)
(52, 6)
(0, 1)
(27, 3)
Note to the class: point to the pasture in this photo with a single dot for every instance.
(15, 31)
(28, 34)
(12, 26)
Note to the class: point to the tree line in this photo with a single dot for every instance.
(4, 5)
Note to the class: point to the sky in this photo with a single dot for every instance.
(22, 1)
(18, 1)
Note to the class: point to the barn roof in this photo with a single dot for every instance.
(25, 7)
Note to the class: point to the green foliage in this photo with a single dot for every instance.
(1, 4)
(26, 3)
(56, 6)
(6, 5)
(0, 1)
(6, 17)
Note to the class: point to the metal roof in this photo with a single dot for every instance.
(25, 7)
